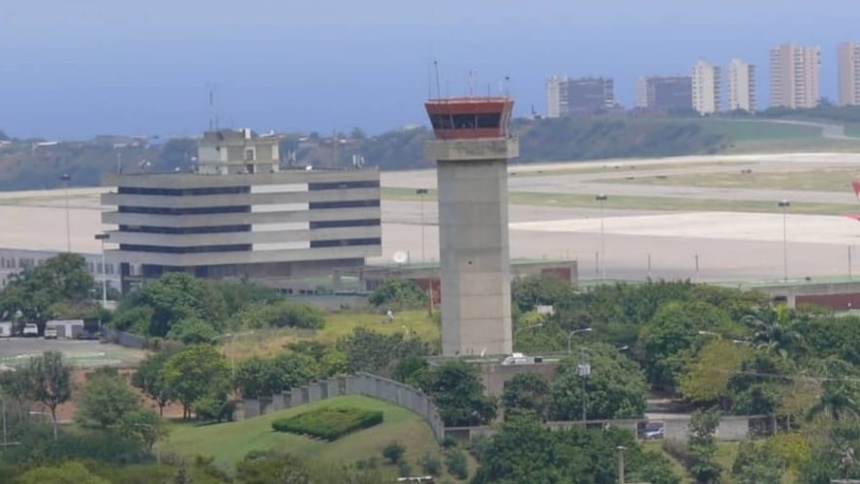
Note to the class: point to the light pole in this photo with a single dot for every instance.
(102, 237)
(784, 204)
(421, 192)
(621, 450)
(65, 178)
(533, 326)
(602, 199)
(583, 370)
(570, 336)
(232, 337)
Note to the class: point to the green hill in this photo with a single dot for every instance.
(230, 442)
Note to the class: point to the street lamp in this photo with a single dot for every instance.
(65, 179)
(575, 331)
(602, 199)
(784, 204)
(53, 419)
(102, 237)
(621, 450)
(421, 192)
(232, 337)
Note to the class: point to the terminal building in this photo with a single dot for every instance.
(238, 215)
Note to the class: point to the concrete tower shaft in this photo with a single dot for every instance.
(472, 148)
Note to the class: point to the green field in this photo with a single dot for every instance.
(616, 166)
(739, 131)
(230, 442)
(270, 342)
(583, 200)
(824, 179)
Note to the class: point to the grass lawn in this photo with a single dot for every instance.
(677, 467)
(632, 165)
(823, 179)
(230, 442)
(272, 341)
(725, 457)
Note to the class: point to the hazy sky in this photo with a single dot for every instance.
(71, 69)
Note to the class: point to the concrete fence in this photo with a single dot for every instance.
(124, 339)
(359, 384)
(676, 427)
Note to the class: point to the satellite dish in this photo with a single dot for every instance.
(400, 257)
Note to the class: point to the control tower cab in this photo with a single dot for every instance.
(472, 146)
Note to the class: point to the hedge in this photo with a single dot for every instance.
(328, 423)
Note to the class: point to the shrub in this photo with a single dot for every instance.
(404, 469)
(455, 461)
(430, 465)
(329, 423)
(393, 451)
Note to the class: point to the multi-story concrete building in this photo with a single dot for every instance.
(241, 216)
(665, 93)
(742, 86)
(580, 96)
(849, 74)
(794, 76)
(707, 88)
(556, 96)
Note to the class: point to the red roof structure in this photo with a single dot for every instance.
(470, 117)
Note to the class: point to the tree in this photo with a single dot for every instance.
(531, 291)
(775, 330)
(706, 376)
(67, 473)
(194, 372)
(150, 378)
(527, 391)
(378, 353)
(144, 426)
(192, 332)
(755, 464)
(37, 292)
(393, 452)
(615, 388)
(703, 446)
(398, 295)
(171, 299)
(48, 379)
(105, 401)
(265, 467)
(838, 400)
(524, 450)
(675, 327)
(458, 394)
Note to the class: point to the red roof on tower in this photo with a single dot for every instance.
(470, 117)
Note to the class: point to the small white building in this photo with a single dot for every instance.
(67, 328)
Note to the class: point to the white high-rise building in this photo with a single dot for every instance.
(706, 88)
(742, 86)
(849, 74)
(794, 76)
(556, 96)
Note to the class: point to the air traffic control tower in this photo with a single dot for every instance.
(472, 148)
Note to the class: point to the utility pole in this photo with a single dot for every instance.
(621, 450)
(784, 204)
(421, 192)
(65, 179)
(602, 199)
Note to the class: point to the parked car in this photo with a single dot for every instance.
(30, 330)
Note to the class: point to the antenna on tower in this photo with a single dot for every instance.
(438, 84)
(213, 114)
(471, 83)
(507, 86)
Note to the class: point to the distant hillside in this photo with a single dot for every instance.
(30, 165)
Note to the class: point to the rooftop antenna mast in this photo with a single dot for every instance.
(471, 83)
(438, 84)
(213, 114)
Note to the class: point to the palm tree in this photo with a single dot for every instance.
(774, 330)
(836, 401)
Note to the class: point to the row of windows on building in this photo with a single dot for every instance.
(222, 229)
(204, 249)
(241, 208)
(236, 190)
